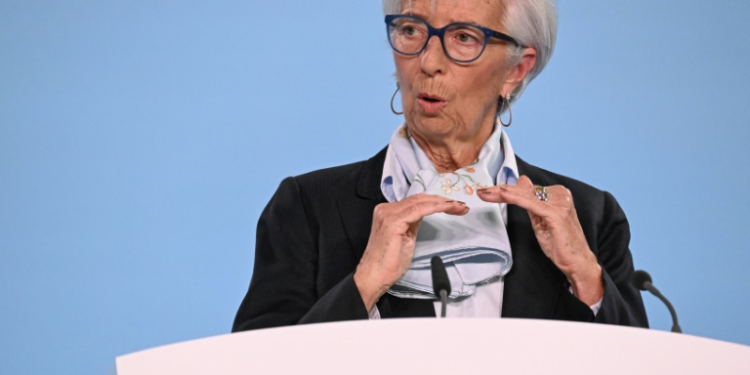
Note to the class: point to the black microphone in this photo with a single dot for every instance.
(642, 280)
(441, 284)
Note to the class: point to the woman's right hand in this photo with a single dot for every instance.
(390, 248)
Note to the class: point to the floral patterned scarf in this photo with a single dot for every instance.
(474, 247)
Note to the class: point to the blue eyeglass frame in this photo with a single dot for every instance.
(433, 31)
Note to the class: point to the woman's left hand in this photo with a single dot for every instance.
(558, 231)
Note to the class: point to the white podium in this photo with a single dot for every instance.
(444, 346)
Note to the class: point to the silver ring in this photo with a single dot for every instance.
(541, 193)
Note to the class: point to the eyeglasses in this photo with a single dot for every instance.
(462, 42)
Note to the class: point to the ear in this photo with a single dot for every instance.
(520, 71)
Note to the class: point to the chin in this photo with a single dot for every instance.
(432, 125)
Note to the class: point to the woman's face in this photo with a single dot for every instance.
(442, 98)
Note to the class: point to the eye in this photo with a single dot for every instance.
(408, 30)
(466, 38)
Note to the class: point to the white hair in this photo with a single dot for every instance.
(533, 23)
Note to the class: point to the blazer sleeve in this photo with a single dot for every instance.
(283, 286)
(622, 303)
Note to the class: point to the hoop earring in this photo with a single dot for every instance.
(503, 100)
(398, 87)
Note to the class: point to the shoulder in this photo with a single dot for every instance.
(362, 176)
(327, 185)
(337, 177)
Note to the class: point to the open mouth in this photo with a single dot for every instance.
(431, 104)
(430, 98)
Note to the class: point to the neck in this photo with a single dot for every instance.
(449, 153)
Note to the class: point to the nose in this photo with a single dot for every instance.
(433, 59)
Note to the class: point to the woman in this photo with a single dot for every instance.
(351, 242)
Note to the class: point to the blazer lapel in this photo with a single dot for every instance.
(356, 210)
(356, 213)
(533, 285)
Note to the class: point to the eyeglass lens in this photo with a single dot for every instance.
(462, 42)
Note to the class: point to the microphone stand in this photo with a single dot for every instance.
(651, 288)
(443, 302)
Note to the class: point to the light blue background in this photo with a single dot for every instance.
(140, 140)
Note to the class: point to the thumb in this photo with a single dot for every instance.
(524, 181)
(414, 229)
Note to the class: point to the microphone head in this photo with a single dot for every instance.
(640, 278)
(440, 280)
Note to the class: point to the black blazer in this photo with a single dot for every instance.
(314, 231)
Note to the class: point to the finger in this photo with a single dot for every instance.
(492, 193)
(526, 199)
(522, 194)
(557, 195)
(499, 193)
(415, 209)
(560, 196)
(524, 181)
